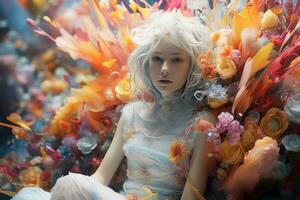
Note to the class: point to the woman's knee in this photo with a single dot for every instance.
(71, 187)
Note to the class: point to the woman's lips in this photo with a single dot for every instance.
(165, 82)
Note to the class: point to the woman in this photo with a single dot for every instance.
(165, 160)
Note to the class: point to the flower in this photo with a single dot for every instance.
(231, 154)
(207, 67)
(292, 108)
(258, 163)
(269, 20)
(30, 176)
(208, 72)
(264, 153)
(87, 144)
(251, 133)
(216, 103)
(217, 96)
(274, 123)
(226, 68)
(236, 57)
(291, 142)
(224, 119)
(234, 132)
(177, 151)
(123, 90)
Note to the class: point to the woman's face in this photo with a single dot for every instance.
(168, 67)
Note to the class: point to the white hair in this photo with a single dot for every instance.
(186, 33)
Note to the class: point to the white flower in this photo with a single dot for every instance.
(291, 142)
(292, 108)
(87, 144)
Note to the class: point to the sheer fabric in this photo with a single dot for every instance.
(149, 131)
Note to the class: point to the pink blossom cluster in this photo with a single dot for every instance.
(233, 129)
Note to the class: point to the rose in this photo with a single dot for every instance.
(251, 133)
(231, 154)
(274, 123)
(292, 108)
(226, 68)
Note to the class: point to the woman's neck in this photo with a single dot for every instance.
(174, 98)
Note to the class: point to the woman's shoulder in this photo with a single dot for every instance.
(136, 107)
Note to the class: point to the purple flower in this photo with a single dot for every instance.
(234, 132)
(224, 120)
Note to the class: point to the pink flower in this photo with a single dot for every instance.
(234, 132)
(224, 119)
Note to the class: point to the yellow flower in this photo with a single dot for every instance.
(30, 176)
(226, 68)
(216, 103)
(274, 123)
(269, 20)
(177, 152)
(123, 90)
(231, 154)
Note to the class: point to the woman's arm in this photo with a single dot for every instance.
(112, 158)
(201, 163)
(198, 171)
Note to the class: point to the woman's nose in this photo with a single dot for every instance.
(165, 69)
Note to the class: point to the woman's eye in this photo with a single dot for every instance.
(177, 60)
(157, 59)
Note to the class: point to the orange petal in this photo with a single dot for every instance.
(16, 119)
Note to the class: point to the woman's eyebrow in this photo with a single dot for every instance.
(175, 54)
(172, 54)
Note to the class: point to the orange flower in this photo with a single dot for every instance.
(231, 154)
(177, 152)
(208, 72)
(206, 64)
(251, 133)
(274, 123)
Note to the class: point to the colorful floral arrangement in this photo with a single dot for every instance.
(252, 86)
